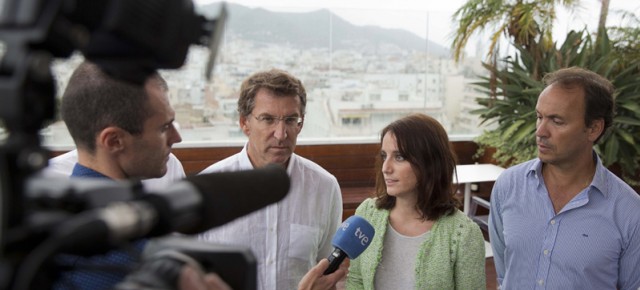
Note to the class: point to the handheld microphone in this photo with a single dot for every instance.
(351, 239)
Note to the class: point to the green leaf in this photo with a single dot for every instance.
(610, 151)
(626, 120)
(633, 107)
(527, 131)
(509, 132)
(626, 137)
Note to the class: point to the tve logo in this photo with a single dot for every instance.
(364, 240)
(344, 226)
(350, 240)
(353, 236)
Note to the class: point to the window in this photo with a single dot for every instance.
(358, 78)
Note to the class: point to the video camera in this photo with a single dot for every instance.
(39, 217)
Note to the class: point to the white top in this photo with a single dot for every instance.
(62, 165)
(397, 265)
(291, 236)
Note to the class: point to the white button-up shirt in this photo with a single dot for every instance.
(291, 236)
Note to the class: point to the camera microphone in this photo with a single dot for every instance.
(351, 239)
(190, 206)
(204, 201)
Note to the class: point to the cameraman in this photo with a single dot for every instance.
(121, 131)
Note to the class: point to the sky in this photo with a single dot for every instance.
(431, 18)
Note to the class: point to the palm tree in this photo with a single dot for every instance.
(525, 22)
(604, 11)
(626, 37)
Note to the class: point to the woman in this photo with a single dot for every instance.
(422, 240)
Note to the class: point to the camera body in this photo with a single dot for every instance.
(163, 259)
(121, 36)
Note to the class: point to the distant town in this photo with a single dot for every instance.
(353, 90)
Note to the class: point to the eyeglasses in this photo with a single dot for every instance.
(269, 121)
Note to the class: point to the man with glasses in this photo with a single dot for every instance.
(288, 238)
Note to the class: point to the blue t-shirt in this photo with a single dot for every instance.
(99, 271)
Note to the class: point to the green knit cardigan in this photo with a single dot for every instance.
(452, 257)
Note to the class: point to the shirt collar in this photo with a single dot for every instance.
(245, 162)
(535, 169)
(83, 171)
(599, 178)
(599, 181)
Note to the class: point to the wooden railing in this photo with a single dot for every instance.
(351, 164)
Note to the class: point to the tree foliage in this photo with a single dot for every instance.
(512, 91)
(525, 22)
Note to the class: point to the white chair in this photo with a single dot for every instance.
(481, 219)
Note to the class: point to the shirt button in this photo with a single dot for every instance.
(553, 222)
(540, 282)
(546, 252)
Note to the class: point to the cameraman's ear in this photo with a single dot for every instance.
(112, 139)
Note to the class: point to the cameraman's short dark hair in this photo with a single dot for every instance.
(280, 82)
(598, 93)
(94, 100)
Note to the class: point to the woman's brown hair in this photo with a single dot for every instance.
(424, 143)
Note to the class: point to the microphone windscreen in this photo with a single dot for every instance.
(229, 195)
(353, 236)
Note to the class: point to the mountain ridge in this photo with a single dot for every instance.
(315, 28)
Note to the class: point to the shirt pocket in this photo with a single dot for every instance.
(303, 242)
